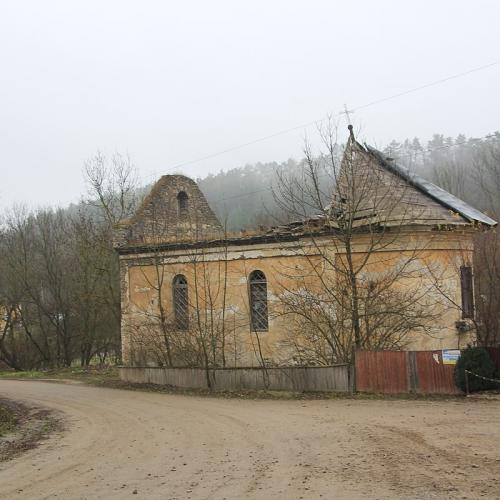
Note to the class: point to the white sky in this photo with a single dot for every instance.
(171, 81)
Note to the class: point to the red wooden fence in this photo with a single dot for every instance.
(434, 377)
(381, 371)
(392, 372)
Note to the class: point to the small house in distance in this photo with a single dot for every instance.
(387, 265)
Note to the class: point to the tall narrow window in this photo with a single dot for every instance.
(181, 303)
(258, 302)
(182, 202)
(466, 285)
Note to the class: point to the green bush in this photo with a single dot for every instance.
(478, 361)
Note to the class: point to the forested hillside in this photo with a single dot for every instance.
(243, 196)
(59, 283)
(468, 168)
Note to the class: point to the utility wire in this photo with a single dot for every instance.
(427, 85)
(408, 155)
(346, 111)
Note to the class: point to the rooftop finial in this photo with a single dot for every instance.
(347, 114)
(351, 133)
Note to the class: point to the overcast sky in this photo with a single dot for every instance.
(170, 82)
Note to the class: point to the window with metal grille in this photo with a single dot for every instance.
(181, 303)
(182, 202)
(467, 287)
(258, 302)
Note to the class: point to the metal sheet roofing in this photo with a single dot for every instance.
(435, 192)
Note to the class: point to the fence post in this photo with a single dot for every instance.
(411, 367)
(467, 382)
(351, 373)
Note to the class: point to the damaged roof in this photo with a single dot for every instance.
(428, 188)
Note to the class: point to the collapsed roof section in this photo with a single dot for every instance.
(375, 191)
(385, 194)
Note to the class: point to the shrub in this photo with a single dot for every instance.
(478, 361)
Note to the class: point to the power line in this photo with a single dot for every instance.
(313, 122)
(409, 155)
(427, 85)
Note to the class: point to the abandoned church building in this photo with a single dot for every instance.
(386, 264)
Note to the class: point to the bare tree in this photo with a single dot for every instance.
(487, 287)
(59, 279)
(486, 174)
(112, 186)
(114, 195)
(354, 256)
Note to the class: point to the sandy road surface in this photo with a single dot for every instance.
(163, 446)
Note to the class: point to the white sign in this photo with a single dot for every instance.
(450, 356)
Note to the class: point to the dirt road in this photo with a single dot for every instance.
(125, 444)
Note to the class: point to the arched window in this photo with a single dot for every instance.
(181, 303)
(258, 302)
(467, 287)
(182, 202)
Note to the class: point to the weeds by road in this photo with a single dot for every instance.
(91, 375)
(22, 427)
(7, 419)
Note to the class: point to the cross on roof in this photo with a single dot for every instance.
(347, 112)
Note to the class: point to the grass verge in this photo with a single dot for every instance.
(22, 427)
(91, 375)
(7, 419)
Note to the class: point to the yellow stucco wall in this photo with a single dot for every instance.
(429, 257)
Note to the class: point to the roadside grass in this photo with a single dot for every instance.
(90, 375)
(23, 426)
(7, 420)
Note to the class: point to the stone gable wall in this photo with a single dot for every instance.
(161, 219)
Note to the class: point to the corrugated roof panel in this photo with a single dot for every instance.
(435, 192)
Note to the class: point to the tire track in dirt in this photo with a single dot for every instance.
(131, 444)
(410, 461)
